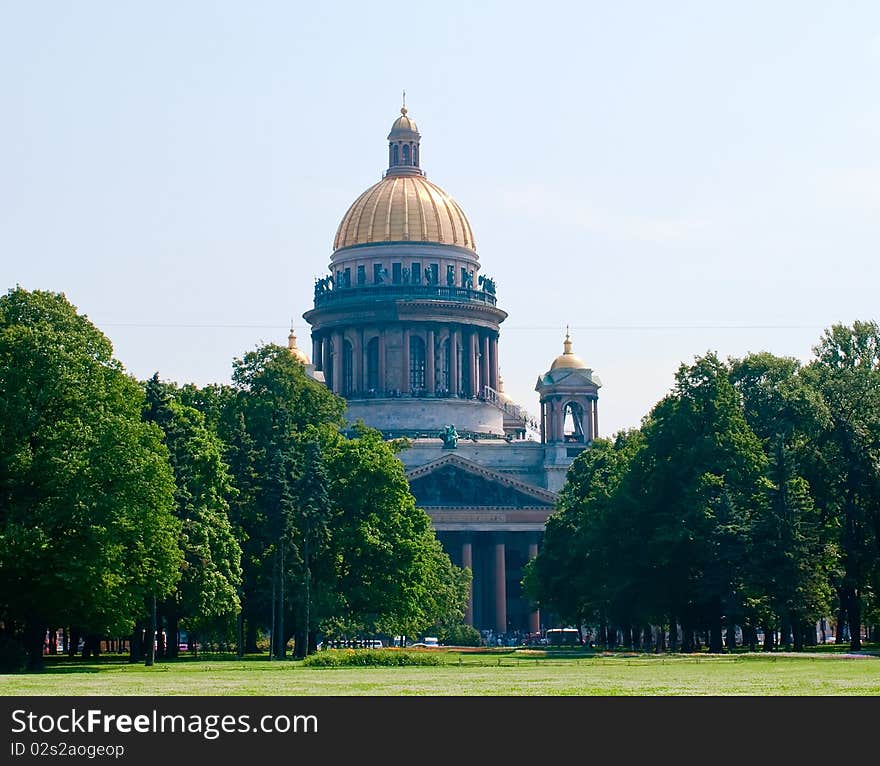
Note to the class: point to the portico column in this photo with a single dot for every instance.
(337, 361)
(467, 561)
(405, 383)
(485, 367)
(382, 385)
(500, 588)
(595, 418)
(534, 617)
(429, 364)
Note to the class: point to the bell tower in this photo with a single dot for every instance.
(569, 393)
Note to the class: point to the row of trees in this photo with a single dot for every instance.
(139, 507)
(748, 499)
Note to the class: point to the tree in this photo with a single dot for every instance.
(87, 531)
(581, 573)
(207, 592)
(385, 571)
(846, 372)
(791, 552)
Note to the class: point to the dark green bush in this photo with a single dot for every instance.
(339, 658)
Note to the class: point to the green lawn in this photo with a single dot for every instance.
(507, 672)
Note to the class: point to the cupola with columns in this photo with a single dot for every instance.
(404, 326)
(569, 393)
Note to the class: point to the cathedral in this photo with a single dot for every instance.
(406, 327)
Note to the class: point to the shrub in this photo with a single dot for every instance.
(460, 634)
(339, 658)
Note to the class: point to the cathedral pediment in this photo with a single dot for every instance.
(455, 482)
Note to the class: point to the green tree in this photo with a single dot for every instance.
(791, 552)
(846, 372)
(386, 572)
(87, 530)
(207, 592)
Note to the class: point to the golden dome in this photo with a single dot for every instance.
(404, 208)
(296, 353)
(567, 360)
(403, 124)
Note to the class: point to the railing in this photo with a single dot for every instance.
(393, 292)
(530, 422)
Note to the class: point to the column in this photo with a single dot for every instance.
(493, 362)
(500, 588)
(474, 377)
(453, 361)
(543, 422)
(467, 561)
(361, 363)
(357, 356)
(595, 418)
(326, 359)
(316, 352)
(382, 385)
(484, 375)
(534, 617)
(559, 421)
(337, 361)
(405, 387)
(430, 384)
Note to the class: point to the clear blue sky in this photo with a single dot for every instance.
(667, 178)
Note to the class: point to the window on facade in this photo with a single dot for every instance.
(373, 365)
(405, 155)
(416, 364)
(362, 275)
(346, 278)
(395, 273)
(417, 273)
(347, 369)
(416, 155)
(434, 271)
(395, 156)
(377, 273)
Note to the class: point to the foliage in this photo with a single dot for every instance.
(86, 490)
(459, 634)
(338, 658)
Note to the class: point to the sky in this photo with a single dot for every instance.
(667, 179)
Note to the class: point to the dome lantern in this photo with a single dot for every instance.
(403, 145)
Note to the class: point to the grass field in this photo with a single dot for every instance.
(493, 672)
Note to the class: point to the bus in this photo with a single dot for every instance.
(563, 636)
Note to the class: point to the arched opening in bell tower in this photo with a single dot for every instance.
(573, 424)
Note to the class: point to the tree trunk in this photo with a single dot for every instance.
(673, 635)
(730, 637)
(716, 644)
(768, 639)
(172, 632)
(853, 618)
(34, 641)
(239, 634)
(136, 644)
(250, 640)
(797, 630)
(73, 642)
(627, 637)
(150, 657)
(841, 620)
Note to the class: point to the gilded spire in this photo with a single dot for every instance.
(403, 108)
(567, 343)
